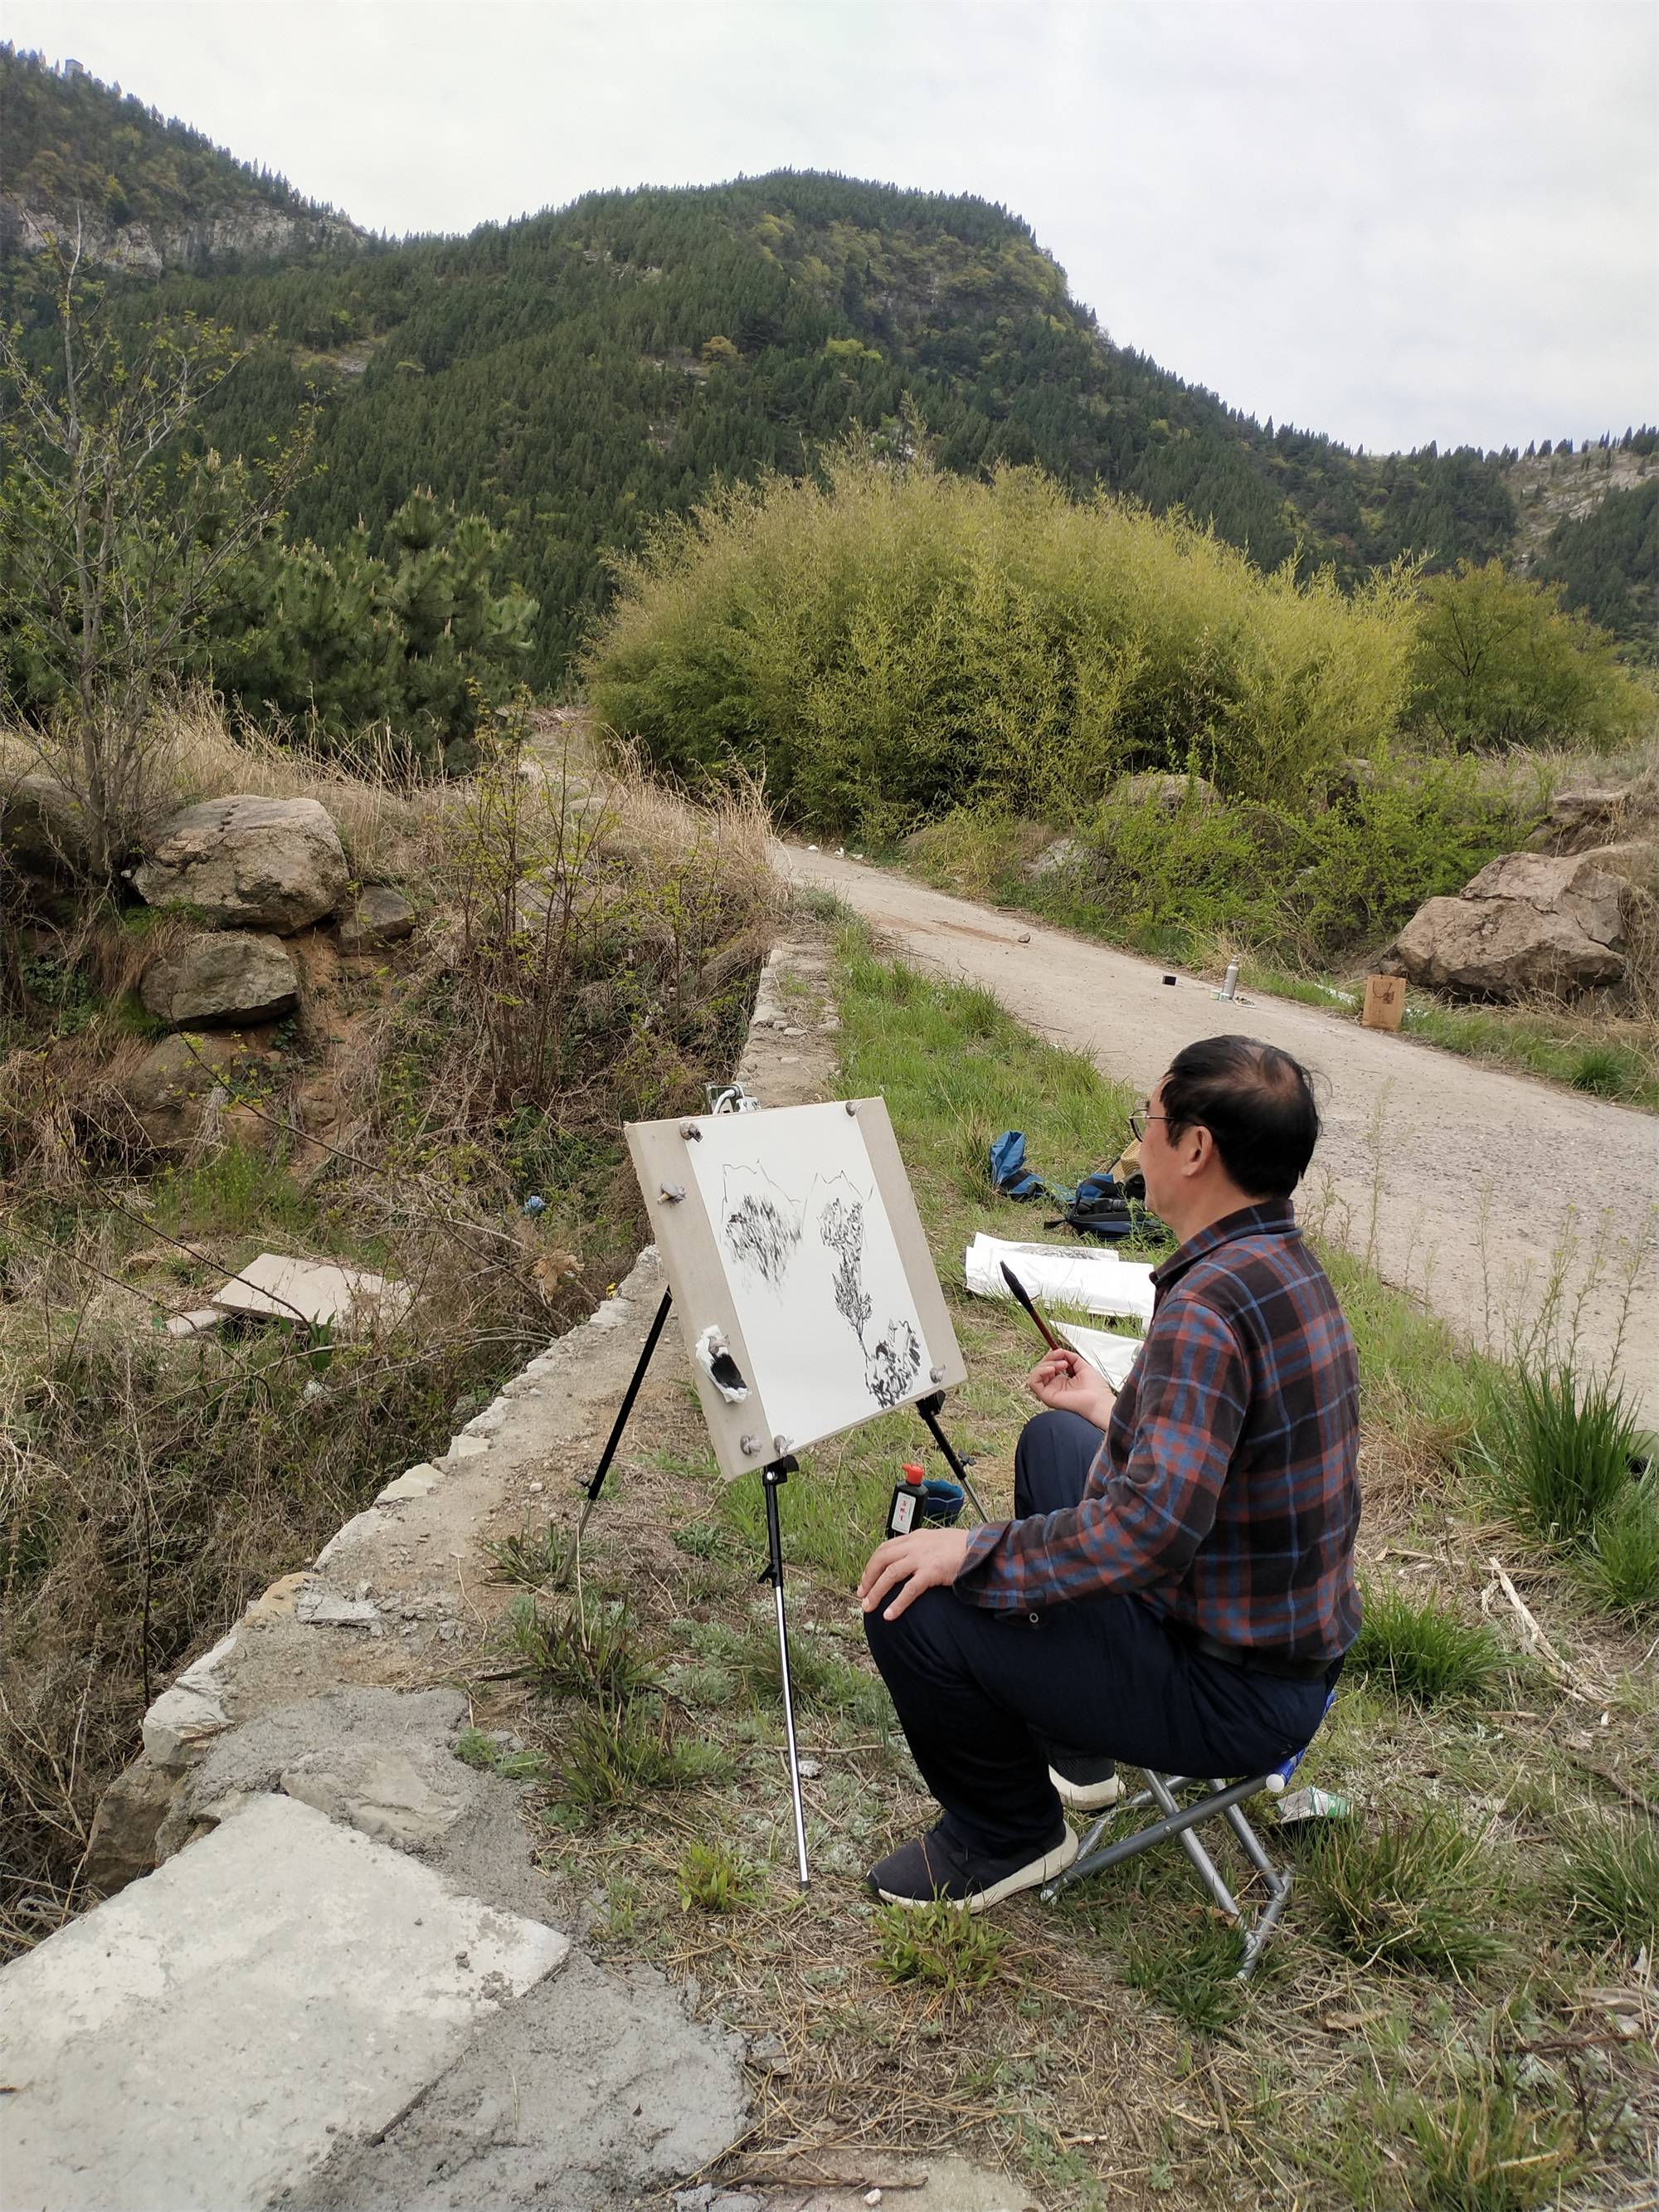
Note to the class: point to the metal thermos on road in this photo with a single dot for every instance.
(1230, 980)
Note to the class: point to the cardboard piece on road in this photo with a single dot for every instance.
(278, 1289)
(1385, 1002)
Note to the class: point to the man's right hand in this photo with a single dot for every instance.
(1066, 1383)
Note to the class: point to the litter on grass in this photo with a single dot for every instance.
(1097, 1281)
(275, 1288)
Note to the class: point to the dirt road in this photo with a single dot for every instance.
(1468, 1185)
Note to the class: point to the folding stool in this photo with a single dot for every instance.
(1177, 1821)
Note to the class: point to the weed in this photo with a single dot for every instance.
(616, 1754)
(579, 1648)
(713, 1878)
(1488, 2146)
(820, 1680)
(1611, 1874)
(1196, 1980)
(1607, 1071)
(474, 1748)
(942, 1943)
(1621, 1561)
(1415, 1892)
(1560, 1449)
(1422, 1651)
(699, 1540)
(540, 1560)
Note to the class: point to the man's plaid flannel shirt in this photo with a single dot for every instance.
(1226, 1492)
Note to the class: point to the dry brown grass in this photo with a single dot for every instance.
(148, 1488)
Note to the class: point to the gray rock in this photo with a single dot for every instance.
(246, 863)
(122, 1845)
(1171, 792)
(1056, 859)
(737, 2201)
(41, 830)
(382, 1793)
(1527, 922)
(381, 916)
(223, 979)
(169, 1089)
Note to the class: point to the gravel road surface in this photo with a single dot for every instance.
(1469, 1186)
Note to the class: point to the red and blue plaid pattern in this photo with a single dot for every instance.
(1226, 1492)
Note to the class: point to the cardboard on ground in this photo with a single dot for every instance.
(275, 1288)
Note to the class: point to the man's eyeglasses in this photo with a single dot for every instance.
(1141, 1118)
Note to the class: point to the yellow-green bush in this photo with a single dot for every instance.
(889, 643)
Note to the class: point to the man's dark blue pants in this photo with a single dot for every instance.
(986, 1699)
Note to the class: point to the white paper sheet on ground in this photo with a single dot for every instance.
(812, 1266)
(1058, 1274)
(1107, 1352)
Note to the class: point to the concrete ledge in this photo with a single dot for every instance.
(201, 2040)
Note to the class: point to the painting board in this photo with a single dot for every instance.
(802, 1281)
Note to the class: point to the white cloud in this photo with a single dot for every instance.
(1389, 221)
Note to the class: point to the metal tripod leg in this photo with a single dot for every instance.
(622, 1413)
(774, 1477)
(929, 1409)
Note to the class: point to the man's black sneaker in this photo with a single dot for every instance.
(933, 1867)
(1085, 1785)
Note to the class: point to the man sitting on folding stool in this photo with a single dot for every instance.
(1179, 1592)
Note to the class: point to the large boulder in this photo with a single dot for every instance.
(221, 981)
(247, 863)
(1527, 922)
(42, 831)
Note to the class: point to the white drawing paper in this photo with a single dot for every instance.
(822, 1302)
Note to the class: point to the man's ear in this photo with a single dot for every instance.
(1204, 1152)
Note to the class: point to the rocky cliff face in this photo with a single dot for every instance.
(145, 249)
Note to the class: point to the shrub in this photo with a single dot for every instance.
(1496, 662)
(1425, 1653)
(888, 643)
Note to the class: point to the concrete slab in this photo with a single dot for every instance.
(275, 1288)
(592, 2093)
(198, 2042)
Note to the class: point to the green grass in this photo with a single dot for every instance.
(539, 1559)
(713, 1878)
(1620, 1562)
(1610, 1872)
(1561, 1451)
(1423, 1652)
(956, 1951)
(579, 1648)
(1416, 1891)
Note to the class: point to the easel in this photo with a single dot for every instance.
(773, 1475)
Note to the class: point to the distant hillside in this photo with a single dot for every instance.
(147, 193)
(575, 376)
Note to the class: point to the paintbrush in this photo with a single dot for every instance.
(1019, 1291)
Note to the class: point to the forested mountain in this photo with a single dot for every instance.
(573, 376)
(148, 193)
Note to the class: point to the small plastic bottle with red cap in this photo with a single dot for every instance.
(906, 1508)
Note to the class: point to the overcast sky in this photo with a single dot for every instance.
(1387, 222)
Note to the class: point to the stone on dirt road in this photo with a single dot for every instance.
(205, 2038)
(229, 981)
(248, 863)
(1527, 921)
